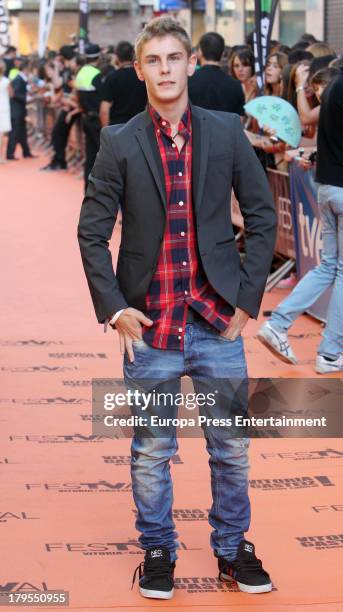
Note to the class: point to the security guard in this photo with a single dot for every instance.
(89, 86)
(13, 73)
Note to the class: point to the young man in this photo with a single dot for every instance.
(180, 298)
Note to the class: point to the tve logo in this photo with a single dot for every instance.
(285, 213)
(310, 235)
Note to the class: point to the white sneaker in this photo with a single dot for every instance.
(323, 366)
(276, 342)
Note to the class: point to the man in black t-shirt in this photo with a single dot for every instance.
(124, 94)
(209, 87)
(330, 135)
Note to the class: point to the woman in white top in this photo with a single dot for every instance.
(5, 113)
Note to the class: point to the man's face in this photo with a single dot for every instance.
(165, 67)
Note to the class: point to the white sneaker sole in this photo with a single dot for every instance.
(320, 369)
(156, 594)
(274, 350)
(261, 588)
(249, 588)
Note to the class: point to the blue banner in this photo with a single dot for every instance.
(177, 5)
(307, 229)
(173, 5)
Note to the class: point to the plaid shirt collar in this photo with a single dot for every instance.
(184, 126)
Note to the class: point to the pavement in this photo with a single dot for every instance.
(67, 515)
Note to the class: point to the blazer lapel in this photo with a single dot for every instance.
(200, 135)
(147, 140)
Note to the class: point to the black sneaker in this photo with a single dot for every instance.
(246, 570)
(53, 167)
(156, 574)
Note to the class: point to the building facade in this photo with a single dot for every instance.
(114, 20)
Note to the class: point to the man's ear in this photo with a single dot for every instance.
(138, 70)
(192, 62)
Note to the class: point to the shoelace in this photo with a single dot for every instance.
(283, 344)
(162, 569)
(138, 569)
(250, 564)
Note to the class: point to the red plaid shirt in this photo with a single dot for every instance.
(179, 280)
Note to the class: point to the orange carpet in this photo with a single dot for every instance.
(66, 514)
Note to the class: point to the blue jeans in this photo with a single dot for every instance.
(211, 361)
(315, 282)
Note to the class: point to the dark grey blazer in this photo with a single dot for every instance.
(128, 171)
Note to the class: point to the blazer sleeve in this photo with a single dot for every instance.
(256, 203)
(97, 219)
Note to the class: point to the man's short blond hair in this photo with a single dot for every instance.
(159, 28)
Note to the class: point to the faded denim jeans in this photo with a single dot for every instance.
(211, 361)
(329, 272)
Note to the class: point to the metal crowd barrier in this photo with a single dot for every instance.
(285, 240)
(41, 118)
(299, 228)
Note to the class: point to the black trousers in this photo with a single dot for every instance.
(91, 127)
(59, 137)
(18, 135)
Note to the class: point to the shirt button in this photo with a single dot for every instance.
(164, 123)
(180, 173)
(158, 131)
(182, 233)
(186, 292)
(180, 329)
(181, 203)
(173, 145)
(184, 263)
(179, 337)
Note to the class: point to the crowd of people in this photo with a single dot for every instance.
(71, 97)
(65, 91)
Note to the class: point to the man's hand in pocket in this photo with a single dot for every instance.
(129, 325)
(236, 325)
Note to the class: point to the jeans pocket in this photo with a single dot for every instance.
(139, 342)
(239, 338)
